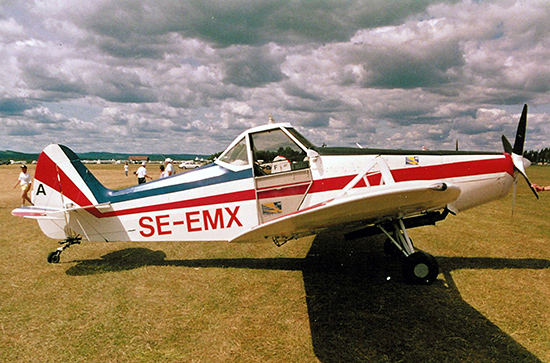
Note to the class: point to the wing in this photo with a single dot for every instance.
(370, 205)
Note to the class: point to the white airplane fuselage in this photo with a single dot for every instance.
(222, 200)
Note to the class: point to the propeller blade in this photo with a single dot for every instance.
(517, 150)
(507, 146)
(520, 134)
(514, 196)
(518, 165)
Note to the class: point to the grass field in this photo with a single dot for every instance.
(316, 299)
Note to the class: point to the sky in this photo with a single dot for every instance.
(188, 76)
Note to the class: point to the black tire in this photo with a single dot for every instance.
(53, 257)
(420, 268)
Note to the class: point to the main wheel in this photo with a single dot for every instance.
(53, 257)
(420, 268)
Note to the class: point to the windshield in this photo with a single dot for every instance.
(237, 155)
(270, 144)
(300, 137)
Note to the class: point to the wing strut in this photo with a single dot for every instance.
(386, 175)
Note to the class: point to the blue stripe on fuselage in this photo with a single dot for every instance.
(150, 189)
(186, 181)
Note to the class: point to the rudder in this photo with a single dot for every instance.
(61, 181)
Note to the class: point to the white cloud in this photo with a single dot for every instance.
(182, 76)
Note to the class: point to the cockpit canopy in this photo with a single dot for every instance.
(271, 148)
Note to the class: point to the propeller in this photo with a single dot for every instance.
(516, 151)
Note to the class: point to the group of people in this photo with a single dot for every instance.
(25, 180)
(142, 171)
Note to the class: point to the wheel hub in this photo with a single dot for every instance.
(421, 270)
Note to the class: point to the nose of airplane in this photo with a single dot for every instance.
(526, 163)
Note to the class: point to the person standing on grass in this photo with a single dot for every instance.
(142, 173)
(25, 181)
(163, 173)
(169, 167)
(126, 169)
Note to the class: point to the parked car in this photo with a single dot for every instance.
(189, 164)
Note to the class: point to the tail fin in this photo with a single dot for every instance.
(62, 182)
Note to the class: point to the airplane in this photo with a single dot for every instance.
(357, 191)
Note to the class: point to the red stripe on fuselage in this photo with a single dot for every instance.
(241, 196)
(457, 169)
(283, 191)
(432, 172)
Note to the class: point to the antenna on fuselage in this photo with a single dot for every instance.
(270, 119)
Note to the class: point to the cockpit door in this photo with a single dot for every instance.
(282, 173)
(280, 194)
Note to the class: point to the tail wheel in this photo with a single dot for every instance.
(72, 239)
(53, 257)
(420, 268)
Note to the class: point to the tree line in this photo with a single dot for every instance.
(538, 156)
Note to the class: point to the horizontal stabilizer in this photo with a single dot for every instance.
(35, 212)
(38, 213)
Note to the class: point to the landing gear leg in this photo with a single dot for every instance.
(54, 256)
(419, 268)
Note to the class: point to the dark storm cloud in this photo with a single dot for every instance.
(401, 69)
(251, 67)
(14, 106)
(125, 49)
(124, 88)
(316, 120)
(52, 82)
(295, 90)
(20, 129)
(231, 22)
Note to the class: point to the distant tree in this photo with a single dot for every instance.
(538, 156)
(266, 155)
(291, 154)
(531, 155)
(214, 156)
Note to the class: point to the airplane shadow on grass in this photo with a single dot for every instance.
(361, 310)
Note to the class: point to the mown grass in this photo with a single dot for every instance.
(322, 299)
